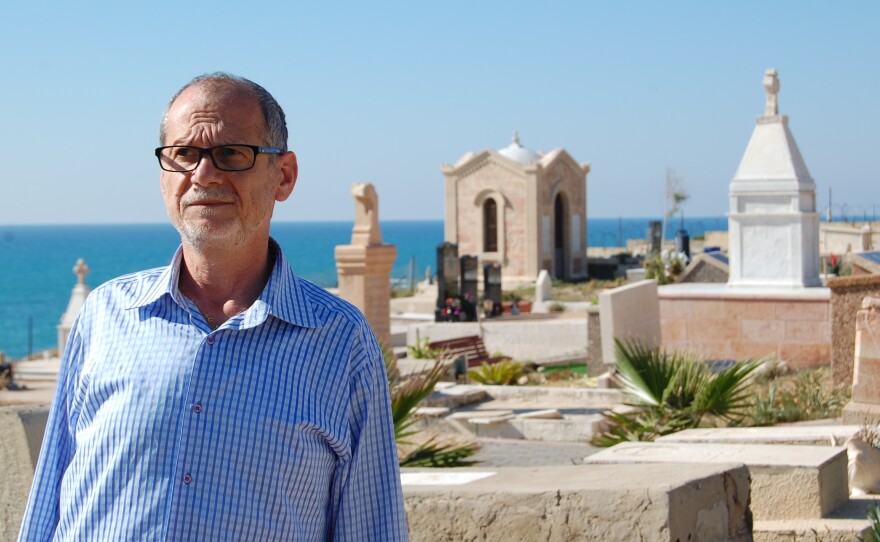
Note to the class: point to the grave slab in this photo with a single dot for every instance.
(815, 435)
(816, 475)
(593, 503)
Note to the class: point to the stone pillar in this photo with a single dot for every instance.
(864, 407)
(364, 266)
(77, 298)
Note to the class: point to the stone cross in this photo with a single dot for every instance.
(771, 87)
(366, 231)
(81, 269)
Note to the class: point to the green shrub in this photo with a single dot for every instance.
(874, 518)
(802, 396)
(405, 398)
(669, 392)
(499, 374)
(421, 350)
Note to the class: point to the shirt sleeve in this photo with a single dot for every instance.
(367, 487)
(42, 512)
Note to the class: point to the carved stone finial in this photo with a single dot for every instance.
(366, 231)
(771, 87)
(81, 269)
(516, 138)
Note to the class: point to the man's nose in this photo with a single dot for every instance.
(206, 172)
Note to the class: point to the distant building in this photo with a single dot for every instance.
(524, 210)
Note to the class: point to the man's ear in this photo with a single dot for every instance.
(288, 169)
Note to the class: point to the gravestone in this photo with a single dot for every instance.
(470, 278)
(683, 243)
(655, 236)
(447, 277)
(492, 286)
(543, 292)
(864, 406)
(629, 313)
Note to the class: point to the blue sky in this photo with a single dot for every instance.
(387, 92)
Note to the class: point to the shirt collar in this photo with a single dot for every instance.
(283, 297)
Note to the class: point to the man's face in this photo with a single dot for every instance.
(212, 208)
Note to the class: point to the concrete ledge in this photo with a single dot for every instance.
(787, 481)
(22, 433)
(810, 435)
(695, 290)
(596, 503)
(849, 522)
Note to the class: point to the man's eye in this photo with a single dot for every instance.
(228, 152)
(183, 152)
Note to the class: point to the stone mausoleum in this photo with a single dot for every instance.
(522, 209)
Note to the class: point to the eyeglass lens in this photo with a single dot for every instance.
(225, 157)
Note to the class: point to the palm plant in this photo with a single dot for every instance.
(874, 518)
(501, 373)
(405, 397)
(670, 392)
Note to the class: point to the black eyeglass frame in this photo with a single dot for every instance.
(210, 152)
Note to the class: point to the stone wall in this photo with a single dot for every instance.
(22, 434)
(715, 322)
(846, 299)
(524, 339)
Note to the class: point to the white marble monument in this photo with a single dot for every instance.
(773, 223)
(77, 298)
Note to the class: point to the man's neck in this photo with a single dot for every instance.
(224, 282)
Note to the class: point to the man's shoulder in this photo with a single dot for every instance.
(129, 287)
(329, 305)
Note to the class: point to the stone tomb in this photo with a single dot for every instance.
(816, 475)
(595, 503)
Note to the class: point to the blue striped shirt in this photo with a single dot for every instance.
(275, 426)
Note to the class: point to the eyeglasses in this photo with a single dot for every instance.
(180, 158)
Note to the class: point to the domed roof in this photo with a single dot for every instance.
(518, 153)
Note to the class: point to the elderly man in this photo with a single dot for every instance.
(221, 397)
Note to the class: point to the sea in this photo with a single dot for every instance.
(36, 262)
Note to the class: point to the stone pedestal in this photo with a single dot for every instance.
(364, 282)
(864, 407)
(364, 266)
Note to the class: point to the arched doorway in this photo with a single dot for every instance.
(560, 238)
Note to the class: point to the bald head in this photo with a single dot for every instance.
(221, 87)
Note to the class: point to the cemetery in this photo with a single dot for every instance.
(515, 223)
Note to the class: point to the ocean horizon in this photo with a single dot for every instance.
(37, 261)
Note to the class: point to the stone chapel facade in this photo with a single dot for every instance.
(524, 210)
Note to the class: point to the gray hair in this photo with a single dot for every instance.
(273, 115)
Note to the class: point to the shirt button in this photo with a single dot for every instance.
(210, 339)
(197, 408)
(187, 479)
